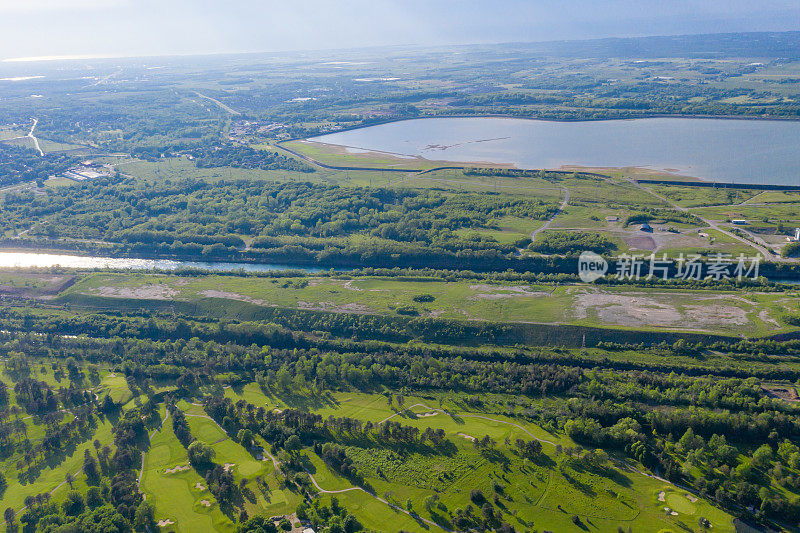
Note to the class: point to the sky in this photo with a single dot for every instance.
(111, 28)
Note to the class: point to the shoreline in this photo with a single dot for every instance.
(558, 120)
(645, 172)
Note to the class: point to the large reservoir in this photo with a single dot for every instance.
(735, 151)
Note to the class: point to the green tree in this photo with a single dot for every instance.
(145, 517)
(200, 454)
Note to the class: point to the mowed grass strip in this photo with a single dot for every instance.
(175, 495)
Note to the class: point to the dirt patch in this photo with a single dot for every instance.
(764, 316)
(175, 470)
(468, 437)
(211, 293)
(787, 392)
(165, 522)
(498, 292)
(158, 291)
(655, 309)
(716, 315)
(640, 242)
(349, 285)
(331, 307)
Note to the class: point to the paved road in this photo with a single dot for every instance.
(767, 253)
(35, 140)
(220, 104)
(314, 481)
(393, 506)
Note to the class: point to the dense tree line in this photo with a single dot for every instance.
(239, 156)
(18, 165)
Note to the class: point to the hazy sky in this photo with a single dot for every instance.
(154, 27)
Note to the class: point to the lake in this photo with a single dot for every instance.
(734, 151)
(32, 259)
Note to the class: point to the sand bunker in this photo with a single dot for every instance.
(234, 296)
(468, 437)
(144, 292)
(179, 468)
(423, 415)
(205, 503)
(199, 486)
(228, 466)
(662, 496)
(166, 522)
(691, 498)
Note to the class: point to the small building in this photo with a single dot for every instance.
(797, 234)
(646, 227)
(739, 222)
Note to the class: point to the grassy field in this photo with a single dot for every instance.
(551, 490)
(331, 154)
(9, 133)
(546, 493)
(751, 313)
(177, 495)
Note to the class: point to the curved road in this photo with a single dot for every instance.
(393, 506)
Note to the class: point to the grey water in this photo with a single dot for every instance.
(733, 151)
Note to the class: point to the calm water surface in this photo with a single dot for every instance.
(736, 151)
(32, 259)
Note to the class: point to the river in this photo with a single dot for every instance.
(733, 151)
(33, 259)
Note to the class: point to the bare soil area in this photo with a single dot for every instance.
(499, 292)
(636, 310)
(144, 292)
(211, 293)
(334, 308)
